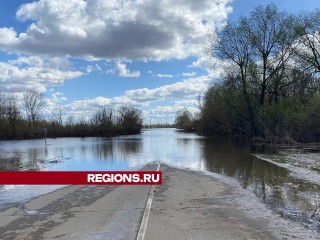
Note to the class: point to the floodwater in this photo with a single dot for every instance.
(286, 195)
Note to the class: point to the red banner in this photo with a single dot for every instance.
(81, 178)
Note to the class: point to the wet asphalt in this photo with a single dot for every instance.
(188, 205)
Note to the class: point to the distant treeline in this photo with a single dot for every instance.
(270, 87)
(160, 125)
(103, 122)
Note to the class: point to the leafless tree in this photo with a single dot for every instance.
(272, 41)
(102, 121)
(259, 48)
(13, 114)
(234, 45)
(2, 109)
(130, 120)
(70, 120)
(58, 113)
(308, 40)
(33, 103)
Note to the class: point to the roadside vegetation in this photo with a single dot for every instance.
(23, 120)
(270, 87)
(184, 120)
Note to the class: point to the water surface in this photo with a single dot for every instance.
(286, 195)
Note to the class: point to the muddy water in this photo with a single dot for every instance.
(285, 194)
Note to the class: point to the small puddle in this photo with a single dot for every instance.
(28, 212)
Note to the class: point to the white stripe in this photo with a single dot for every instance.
(158, 168)
(144, 222)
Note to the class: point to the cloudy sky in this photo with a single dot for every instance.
(147, 54)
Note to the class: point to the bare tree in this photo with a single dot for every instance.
(13, 114)
(2, 110)
(102, 121)
(235, 45)
(308, 41)
(33, 103)
(70, 120)
(58, 113)
(258, 48)
(272, 41)
(130, 120)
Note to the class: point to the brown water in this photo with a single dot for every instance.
(286, 195)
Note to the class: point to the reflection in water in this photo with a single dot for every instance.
(291, 197)
(70, 154)
(10, 160)
(285, 194)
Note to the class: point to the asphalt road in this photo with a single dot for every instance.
(187, 205)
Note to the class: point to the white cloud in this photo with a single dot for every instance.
(184, 93)
(34, 73)
(93, 68)
(8, 36)
(189, 74)
(189, 102)
(115, 29)
(103, 101)
(117, 32)
(57, 97)
(159, 75)
(124, 72)
(87, 106)
(206, 62)
(162, 114)
(98, 67)
(183, 89)
(89, 68)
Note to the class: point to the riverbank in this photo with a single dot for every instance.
(188, 205)
(301, 162)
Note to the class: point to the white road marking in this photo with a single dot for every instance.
(144, 222)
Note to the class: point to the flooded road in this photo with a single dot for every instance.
(288, 196)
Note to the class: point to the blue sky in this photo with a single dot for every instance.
(87, 54)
